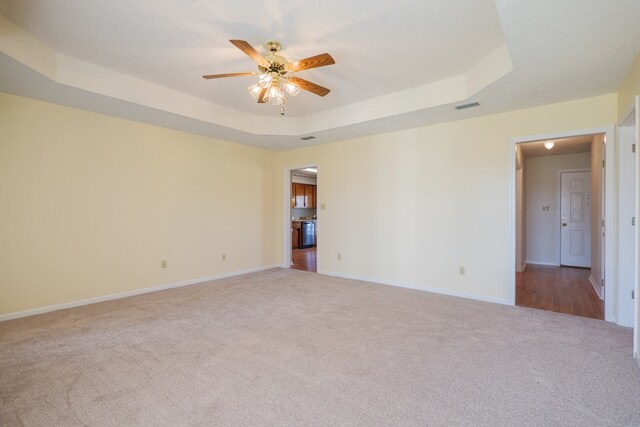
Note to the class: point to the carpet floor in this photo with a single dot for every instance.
(286, 347)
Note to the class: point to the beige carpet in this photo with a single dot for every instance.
(286, 347)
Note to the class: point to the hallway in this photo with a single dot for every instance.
(560, 289)
(304, 259)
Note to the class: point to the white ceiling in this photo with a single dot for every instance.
(398, 64)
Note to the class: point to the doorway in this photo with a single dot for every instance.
(302, 214)
(559, 227)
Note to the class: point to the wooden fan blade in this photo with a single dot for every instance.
(321, 60)
(261, 97)
(218, 76)
(249, 50)
(308, 86)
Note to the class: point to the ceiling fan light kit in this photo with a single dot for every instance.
(254, 91)
(273, 78)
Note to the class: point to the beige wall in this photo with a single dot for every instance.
(91, 204)
(629, 88)
(410, 207)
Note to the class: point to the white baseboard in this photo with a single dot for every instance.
(425, 288)
(596, 288)
(119, 295)
(522, 267)
(554, 264)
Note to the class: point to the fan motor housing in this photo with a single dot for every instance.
(277, 65)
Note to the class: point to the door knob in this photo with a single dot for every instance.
(564, 224)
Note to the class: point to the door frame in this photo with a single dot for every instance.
(626, 210)
(559, 211)
(632, 114)
(610, 243)
(286, 253)
(636, 322)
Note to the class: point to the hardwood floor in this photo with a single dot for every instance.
(559, 289)
(304, 259)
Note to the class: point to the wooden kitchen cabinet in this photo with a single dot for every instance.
(310, 196)
(297, 194)
(295, 234)
(303, 195)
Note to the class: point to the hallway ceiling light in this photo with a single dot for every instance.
(549, 145)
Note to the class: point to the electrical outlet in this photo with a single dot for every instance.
(163, 264)
(461, 270)
(224, 257)
(339, 257)
(322, 207)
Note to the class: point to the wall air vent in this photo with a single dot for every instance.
(469, 105)
(306, 138)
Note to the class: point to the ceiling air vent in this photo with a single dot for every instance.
(306, 138)
(469, 105)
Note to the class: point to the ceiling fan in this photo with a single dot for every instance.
(274, 74)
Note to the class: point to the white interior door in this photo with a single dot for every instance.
(575, 219)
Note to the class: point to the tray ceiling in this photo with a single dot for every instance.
(398, 64)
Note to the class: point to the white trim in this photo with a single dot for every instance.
(552, 264)
(424, 288)
(596, 287)
(602, 228)
(610, 225)
(120, 295)
(632, 115)
(610, 243)
(511, 233)
(636, 315)
(626, 231)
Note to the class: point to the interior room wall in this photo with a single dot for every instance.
(520, 211)
(597, 203)
(437, 198)
(542, 190)
(92, 204)
(629, 88)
